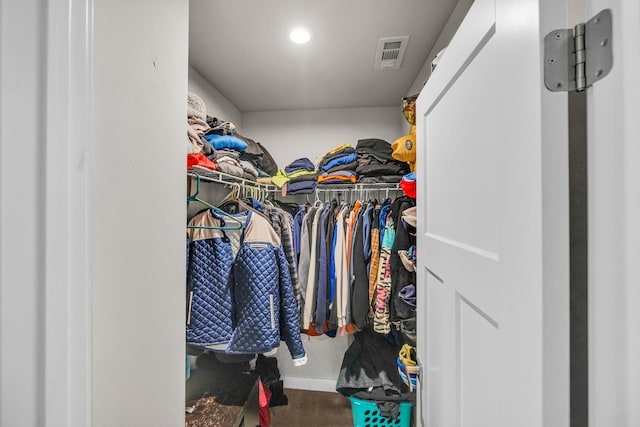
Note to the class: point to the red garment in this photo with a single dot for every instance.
(263, 401)
(409, 188)
(199, 159)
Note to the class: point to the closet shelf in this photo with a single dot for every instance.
(230, 180)
(226, 179)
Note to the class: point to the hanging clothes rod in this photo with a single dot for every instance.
(359, 186)
(358, 191)
(223, 178)
(245, 187)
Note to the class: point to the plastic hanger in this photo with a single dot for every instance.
(237, 225)
(234, 198)
(233, 195)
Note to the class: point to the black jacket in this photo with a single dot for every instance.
(400, 276)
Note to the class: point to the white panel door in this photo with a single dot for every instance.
(613, 105)
(493, 231)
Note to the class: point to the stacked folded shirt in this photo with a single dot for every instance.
(338, 166)
(338, 177)
(299, 177)
(376, 163)
(219, 141)
(198, 162)
(235, 154)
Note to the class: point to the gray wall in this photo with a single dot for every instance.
(217, 104)
(449, 30)
(139, 212)
(289, 135)
(22, 215)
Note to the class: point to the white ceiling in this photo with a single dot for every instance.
(242, 47)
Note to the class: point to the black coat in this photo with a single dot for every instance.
(400, 276)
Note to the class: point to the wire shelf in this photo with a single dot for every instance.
(326, 190)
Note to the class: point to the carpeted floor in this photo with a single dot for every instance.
(312, 409)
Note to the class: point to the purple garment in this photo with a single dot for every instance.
(408, 295)
(297, 228)
(301, 187)
(321, 300)
(299, 165)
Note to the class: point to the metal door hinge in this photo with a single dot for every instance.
(574, 59)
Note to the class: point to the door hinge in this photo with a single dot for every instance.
(574, 59)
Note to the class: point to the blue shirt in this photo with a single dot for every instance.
(384, 211)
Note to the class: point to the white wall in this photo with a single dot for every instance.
(217, 104)
(289, 135)
(140, 62)
(321, 371)
(447, 33)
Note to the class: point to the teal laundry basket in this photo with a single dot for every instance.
(366, 414)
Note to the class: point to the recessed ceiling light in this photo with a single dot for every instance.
(300, 36)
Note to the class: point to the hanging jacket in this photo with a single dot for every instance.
(312, 276)
(400, 276)
(381, 322)
(360, 296)
(241, 303)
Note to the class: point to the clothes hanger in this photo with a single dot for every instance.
(233, 194)
(234, 198)
(264, 194)
(318, 202)
(237, 225)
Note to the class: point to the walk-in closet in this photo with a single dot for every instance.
(416, 213)
(333, 171)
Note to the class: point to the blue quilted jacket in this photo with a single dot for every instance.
(240, 294)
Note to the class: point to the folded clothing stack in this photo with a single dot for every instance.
(299, 177)
(338, 166)
(220, 142)
(254, 152)
(376, 163)
(338, 177)
(231, 152)
(197, 126)
(198, 162)
(228, 149)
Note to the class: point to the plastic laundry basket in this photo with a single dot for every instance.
(366, 414)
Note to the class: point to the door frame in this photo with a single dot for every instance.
(55, 300)
(614, 229)
(69, 170)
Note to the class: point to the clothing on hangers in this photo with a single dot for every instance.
(305, 259)
(282, 223)
(381, 323)
(243, 301)
(312, 277)
(348, 270)
(297, 229)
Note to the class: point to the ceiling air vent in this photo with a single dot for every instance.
(390, 52)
